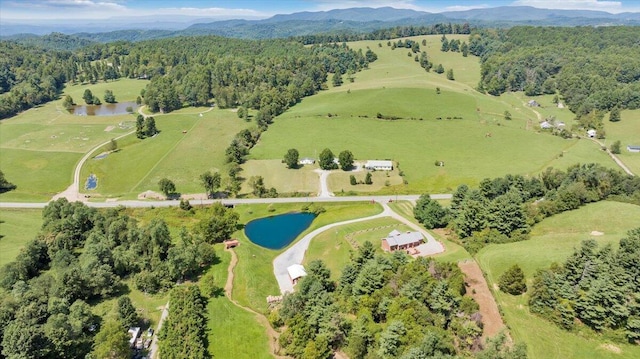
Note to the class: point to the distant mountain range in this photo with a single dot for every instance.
(305, 23)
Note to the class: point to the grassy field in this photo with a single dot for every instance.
(41, 146)
(18, 226)
(179, 156)
(479, 144)
(232, 331)
(627, 131)
(552, 241)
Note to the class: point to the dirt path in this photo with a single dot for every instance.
(478, 288)
(274, 344)
(614, 157)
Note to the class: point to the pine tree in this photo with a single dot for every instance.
(512, 281)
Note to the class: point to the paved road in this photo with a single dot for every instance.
(234, 201)
(295, 253)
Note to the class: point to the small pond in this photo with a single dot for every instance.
(108, 109)
(276, 232)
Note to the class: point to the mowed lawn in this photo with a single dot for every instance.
(181, 157)
(18, 227)
(333, 248)
(627, 131)
(553, 240)
(41, 146)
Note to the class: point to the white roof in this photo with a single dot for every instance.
(379, 163)
(401, 239)
(296, 271)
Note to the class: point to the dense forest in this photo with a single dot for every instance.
(593, 68)
(82, 256)
(384, 307)
(598, 287)
(503, 209)
(268, 75)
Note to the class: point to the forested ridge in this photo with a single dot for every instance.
(593, 68)
(385, 307)
(598, 287)
(83, 256)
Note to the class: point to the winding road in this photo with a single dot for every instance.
(295, 253)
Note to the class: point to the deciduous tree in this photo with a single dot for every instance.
(291, 158)
(346, 160)
(167, 186)
(326, 160)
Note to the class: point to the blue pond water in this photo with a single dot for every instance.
(92, 182)
(277, 232)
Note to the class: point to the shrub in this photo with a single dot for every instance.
(512, 281)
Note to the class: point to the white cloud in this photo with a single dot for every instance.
(465, 8)
(609, 6)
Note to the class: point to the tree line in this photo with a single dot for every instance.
(504, 209)
(384, 307)
(83, 255)
(593, 68)
(387, 34)
(598, 287)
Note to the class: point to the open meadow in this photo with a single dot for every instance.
(191, 141)
(627, 131)
(41, 146)
(459, 126)
(553, 240)
(17, 227)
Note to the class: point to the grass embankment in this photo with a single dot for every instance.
(18, 226)
(553, 240)
(41, 146)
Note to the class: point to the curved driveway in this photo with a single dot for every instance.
(295, 253)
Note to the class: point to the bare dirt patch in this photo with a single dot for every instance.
(109, 128)
(151, 195)
(478, 289)
(612, 348)
(596, 233)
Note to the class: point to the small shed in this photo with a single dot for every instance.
(296, 271)
(231, 243)
(134, 332)
(545, 125)
(307, 161)
(633, 148)
(533, 103)
(592, 133)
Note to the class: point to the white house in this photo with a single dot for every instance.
(545, 125)
(307, 161)
(296, 271)
(592, 133)
(632, 148)
(379, 165)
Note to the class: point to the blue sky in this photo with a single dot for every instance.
(252, 9)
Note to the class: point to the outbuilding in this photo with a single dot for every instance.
(378, 165)
(296, 271)
(231, 243)
(633, 148)
(307, 161)
(592, 133)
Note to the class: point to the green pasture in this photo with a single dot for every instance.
(40, 147)
(394, 68)
(18, 227)
(254, 279)
(38, 174)
(333, 248)
(627, 131)
(553, 240)
(181, 157)
(471, 149)
(123, 89)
